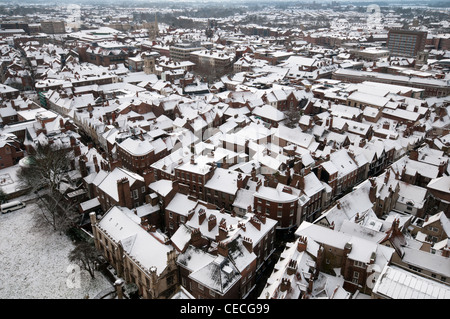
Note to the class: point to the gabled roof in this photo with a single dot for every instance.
(137, 147)
(293, 136)
(361, 249)
(219, 275)
(356, 202)
(239, 255)
(398, 283)
(225, 180)
(181, 238)
(109, 183)
(343, 162)
(442, 219)
(300, 262)
(122, 226)
(269, 112)
(441, 184)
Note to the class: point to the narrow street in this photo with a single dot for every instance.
(267, 270)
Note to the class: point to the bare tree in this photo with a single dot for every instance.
(46, 171)
(56, 211)
(48, 166)
(86, 256)
(292, 116)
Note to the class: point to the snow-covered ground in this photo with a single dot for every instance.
(35, 263)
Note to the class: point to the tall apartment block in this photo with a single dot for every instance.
(15, 25)
(53, 27)
(406, 42)
(182, 51)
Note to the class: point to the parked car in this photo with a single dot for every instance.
(9, 207)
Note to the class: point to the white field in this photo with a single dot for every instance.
(35, 264)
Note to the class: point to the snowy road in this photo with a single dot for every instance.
(35, 265)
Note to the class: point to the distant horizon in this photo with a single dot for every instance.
(419, 3)
(235, 1)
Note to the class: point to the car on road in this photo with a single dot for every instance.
(9, 207)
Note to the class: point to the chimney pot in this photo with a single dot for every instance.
(201, 216)
(212, 221)
(302, 244)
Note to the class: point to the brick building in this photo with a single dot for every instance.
(294, 276)
(105, 53)
(222, 187)
(10, 152)
(8, 92)
(211, 63)
(137, 153)
(177, 211)
(312, 197)
(279, 203)
(182, 51)
(431, 87)
(193, 176)
(440, 192)
(217, 244)
(357, 258)
(120, 187)
(435, 228)
(138, 255)
(53, 27)
(406, 42)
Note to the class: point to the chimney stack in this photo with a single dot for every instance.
(373, 190)
(83, 168)
(223, 231)
(285, 285)
(97, 168)
(201, 216)
(310, 285)
(373, 256)
(292, 267)
(123, 189)
(196, 238)
(387, 175)
(347, 248)
(253, 173)
(414, 155)
(240, 181)
(255, 222)
(190, 214)
(302, 244)
(149, 176)
(222, 249)
(212, 222)
(93, 218)
(258, 184)
(287, 189)
(403, 173)
(73, 141)
(261, 217)
(248, 243)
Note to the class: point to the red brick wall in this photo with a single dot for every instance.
(271, 209)
(9, 156)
